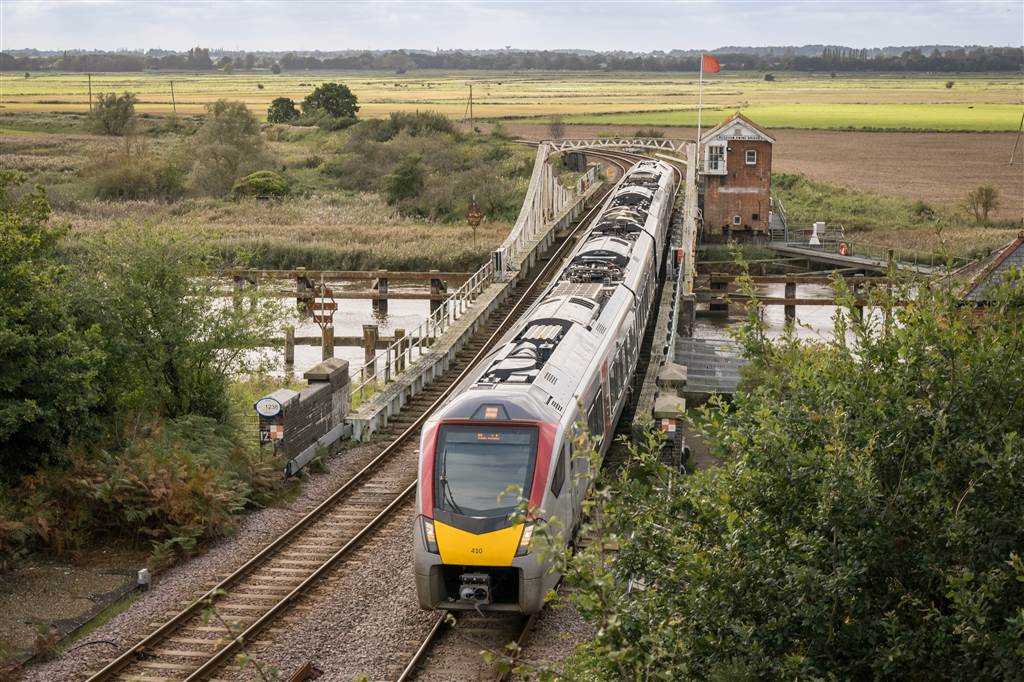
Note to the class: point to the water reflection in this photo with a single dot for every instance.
(812, 322)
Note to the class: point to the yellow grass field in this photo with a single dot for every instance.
(893, 101)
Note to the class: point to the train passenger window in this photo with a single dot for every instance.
(559, 478)
(595, 417)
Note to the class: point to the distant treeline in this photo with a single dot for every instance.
(822, 58)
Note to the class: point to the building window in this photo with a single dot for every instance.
(716, 158)
(755, 216)
(751, 157)
(736, 220)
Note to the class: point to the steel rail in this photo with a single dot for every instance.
(131, 655)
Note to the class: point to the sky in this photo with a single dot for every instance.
(483, 24)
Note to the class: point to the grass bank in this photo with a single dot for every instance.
(888, 221)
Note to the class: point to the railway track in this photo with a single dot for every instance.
(451, 649)
(190, 646)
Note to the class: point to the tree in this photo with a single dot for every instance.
(556, 129)
(48, 367)
(982, 201)
(405, 182)
(228, 146)
(275, 68)
(114, 114)
(170, 349)
(334, 99)
(864, 521)
(282, 110)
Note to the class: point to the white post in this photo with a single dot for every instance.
(700, 105)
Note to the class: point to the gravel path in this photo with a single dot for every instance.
(178, 586)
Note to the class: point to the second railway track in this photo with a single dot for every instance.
(188, 647)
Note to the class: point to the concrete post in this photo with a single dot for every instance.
(289, 346)
(328, 342)
(790, 310)
(370, 334)
(400, 350)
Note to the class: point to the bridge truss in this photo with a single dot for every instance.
(662, 143)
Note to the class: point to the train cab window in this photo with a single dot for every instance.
(475, 465)
(559, 477)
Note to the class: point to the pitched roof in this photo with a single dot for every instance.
(737, 116)
(993, 267)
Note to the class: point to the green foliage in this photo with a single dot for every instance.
(228, 146)
(282, 110)
(981, 201)
(864, 522)
(275, 68)
(334, 99)
(171, 485)
(261, 184)
(379, 153)
(808, 200)
(124, 177)
(114, 114)
(405, 182)
(168, 349)
(48, 367)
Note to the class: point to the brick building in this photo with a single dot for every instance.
(737, 176)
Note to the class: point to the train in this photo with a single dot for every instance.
(510, 424)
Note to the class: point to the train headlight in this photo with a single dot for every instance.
(429, 539)
(524, 541)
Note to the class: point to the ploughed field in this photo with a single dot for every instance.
(977, 102)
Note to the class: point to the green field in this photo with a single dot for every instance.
(976, 102)
(967, 117)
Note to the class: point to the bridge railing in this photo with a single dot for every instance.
(402, 352)
(598, 142)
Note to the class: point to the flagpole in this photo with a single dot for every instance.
(700, 105)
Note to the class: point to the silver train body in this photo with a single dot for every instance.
(512, 421)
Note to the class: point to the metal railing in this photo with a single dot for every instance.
(915, 259)
(403, 352)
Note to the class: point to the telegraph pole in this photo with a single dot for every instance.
(174, 105)
(472, 125)
(90, 92)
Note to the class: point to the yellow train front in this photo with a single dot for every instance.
(472, 549)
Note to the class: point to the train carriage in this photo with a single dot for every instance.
(511, 421)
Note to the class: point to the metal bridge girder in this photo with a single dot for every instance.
(592, 143)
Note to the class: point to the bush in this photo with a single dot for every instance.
(982, 201)
(649, 132)
(133, 179)
(49, 366)
(171, 486)
(114, 114)
(261, 184)
(769, 77)
(282, 110)
(333, 99)
(863, 523)
(949, 85)
(405, 182)
(228, 146)
(167, 350)
(923, 210)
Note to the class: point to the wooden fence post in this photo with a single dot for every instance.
(400, 350)
(370, 334)
(328, 342)
(289, 346)
(790, 310)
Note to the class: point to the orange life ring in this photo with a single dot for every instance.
(844, 249)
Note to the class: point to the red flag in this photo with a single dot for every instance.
(710, 64)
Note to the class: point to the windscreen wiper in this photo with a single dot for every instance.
(446, 489)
